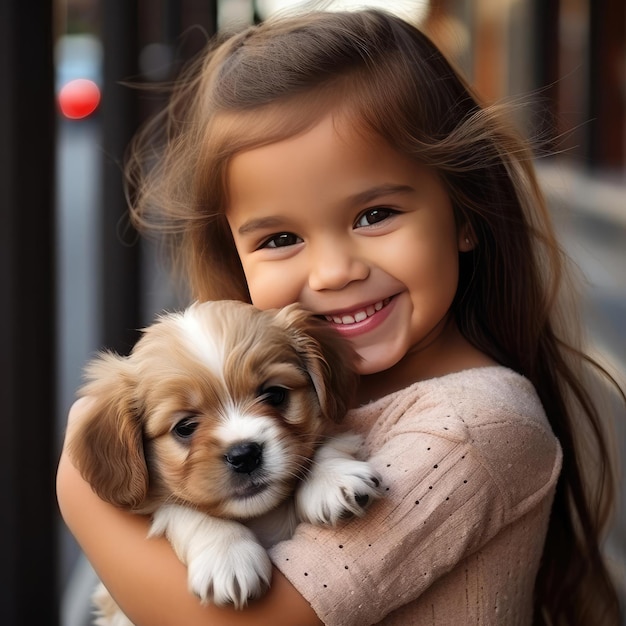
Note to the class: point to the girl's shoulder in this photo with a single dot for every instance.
(480, 395)
(470, 397)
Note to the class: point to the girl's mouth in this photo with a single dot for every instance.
(358, 315)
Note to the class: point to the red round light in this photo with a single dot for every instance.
(79, 98)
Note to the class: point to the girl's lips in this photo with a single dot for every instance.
(361, 320)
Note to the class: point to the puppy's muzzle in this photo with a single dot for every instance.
(244, 457)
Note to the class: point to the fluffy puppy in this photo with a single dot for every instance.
(221, 424)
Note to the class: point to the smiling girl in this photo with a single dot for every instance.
(338, 161)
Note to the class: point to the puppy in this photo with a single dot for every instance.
(222, 425)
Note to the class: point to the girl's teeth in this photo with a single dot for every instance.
(359, 316)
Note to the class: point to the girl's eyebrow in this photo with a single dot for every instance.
(260, 223)
(362, 197)
(366, 196)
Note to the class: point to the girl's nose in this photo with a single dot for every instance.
(334, 267)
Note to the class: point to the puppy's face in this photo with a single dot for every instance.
(220, 407)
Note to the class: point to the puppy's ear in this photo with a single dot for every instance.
(107, 445)
(328, 358)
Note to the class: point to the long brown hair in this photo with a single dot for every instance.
(272, 81)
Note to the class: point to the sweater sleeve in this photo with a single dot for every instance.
(454, 477)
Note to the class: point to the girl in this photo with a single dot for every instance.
(337, 160)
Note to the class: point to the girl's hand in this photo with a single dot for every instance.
(143, 574)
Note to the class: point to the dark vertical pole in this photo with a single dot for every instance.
(607, 86)
(121, 295)
(196, 13)
(28, 589)
(546, 64)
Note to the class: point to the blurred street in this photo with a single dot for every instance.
(590, 219)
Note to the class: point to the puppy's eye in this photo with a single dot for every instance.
(274, 396)
(186, 427)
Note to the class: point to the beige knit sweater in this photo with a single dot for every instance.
(470, 466)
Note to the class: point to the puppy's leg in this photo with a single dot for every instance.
(226, 564)
(338, 484)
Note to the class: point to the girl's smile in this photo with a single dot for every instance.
(353, 230)
(361, 319)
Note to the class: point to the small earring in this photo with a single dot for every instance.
(467, 240)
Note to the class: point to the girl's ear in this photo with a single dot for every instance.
(328, 358)
(107, 444)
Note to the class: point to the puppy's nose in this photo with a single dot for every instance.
(244, 457)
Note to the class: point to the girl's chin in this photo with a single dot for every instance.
(375, 359)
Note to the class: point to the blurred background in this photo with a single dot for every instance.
(74, 278)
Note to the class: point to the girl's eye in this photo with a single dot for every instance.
(281, 240)
(186, 427)
(374, 216)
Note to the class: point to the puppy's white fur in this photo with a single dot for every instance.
(221, 424)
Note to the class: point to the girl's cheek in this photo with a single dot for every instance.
(269, 294)
(273, 285)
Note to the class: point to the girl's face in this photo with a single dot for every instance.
(355, 232)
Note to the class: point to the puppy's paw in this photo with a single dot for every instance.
(338, 485)
(233, 571)
(225, 562)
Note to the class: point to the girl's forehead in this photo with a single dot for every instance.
(331, 136)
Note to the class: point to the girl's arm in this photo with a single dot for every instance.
(144, 575)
